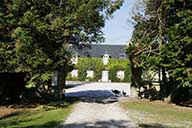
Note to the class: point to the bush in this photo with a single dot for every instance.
(116, 65)
(181, 95)
(96, 64)
(85, 64)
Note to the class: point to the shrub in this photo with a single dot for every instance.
(116, 65)
(96, 64)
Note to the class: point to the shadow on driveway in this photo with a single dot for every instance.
(98, 96)
(102, 124)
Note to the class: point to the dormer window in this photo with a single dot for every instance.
(122, 55)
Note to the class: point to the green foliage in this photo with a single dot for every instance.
(96, 64)
(85, 64)
(162, 41)
(116, 65)
(42, 116)
(35, 35)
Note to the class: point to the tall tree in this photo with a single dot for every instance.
(162, 39)
(146, 41)
(35, 34)
(176, 54)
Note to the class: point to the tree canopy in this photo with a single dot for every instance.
(162, 42)
(35, 34)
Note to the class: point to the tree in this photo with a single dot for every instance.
(36, 34)
(145, 44)
(164, 38)
(176, 54)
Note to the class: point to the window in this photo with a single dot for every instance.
(122, 55)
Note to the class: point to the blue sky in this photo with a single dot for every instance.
(118, 30)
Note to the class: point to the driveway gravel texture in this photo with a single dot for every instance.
(98, 106)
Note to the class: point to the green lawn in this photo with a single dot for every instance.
(158, 114)
(39, 117)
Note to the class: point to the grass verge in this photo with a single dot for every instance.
(42, 116)
(158, 114)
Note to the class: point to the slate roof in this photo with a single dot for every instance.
(98, 50)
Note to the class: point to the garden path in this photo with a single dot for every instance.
(98, 107)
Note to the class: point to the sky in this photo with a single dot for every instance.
(118, 30)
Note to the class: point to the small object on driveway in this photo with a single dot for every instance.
(124, 93)
(116, 92)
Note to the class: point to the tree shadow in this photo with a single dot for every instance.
(185, 104)
(10, 115)
(102, 124)
(16, 122)
(23, 109)
(53, 124)
(155, 125)
(98, 124)
(94, 96)
(50, 104)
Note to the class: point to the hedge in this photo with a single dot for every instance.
(96, 64)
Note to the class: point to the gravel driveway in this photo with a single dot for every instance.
(98, 115)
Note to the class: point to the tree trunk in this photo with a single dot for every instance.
(160, 83)
(163, 83)
(61, 82)
(164, 79)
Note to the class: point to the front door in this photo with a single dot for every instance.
(105, 76)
